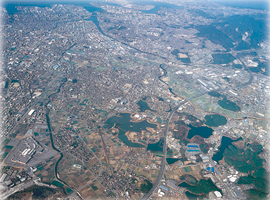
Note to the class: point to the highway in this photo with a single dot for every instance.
(161, 171)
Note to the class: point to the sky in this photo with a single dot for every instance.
(36, 1)
(240, 3)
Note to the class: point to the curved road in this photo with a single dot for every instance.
(161, 171)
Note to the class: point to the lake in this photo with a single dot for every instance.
(202, 131)
(215, 120)
(225, 142)
(184, 184)
(171, 160)
(229, 105)
(158, 146)
(192, 196)
(214, 94)
(184, 60)
(143, 106)
(124, 124)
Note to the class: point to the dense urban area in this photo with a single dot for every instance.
(134, 100)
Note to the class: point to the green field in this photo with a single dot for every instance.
(247, 161)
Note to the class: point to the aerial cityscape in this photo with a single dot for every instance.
(122, 99)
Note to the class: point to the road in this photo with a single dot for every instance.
(219, 176)
(34, 103)
(161, 171)
(17, 188)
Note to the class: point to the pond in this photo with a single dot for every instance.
(184, 184)
(214, 94)
(215, 120)
(143, 106)
(156, 146)
(171, 160)
(229, 105)
(124, 124)
(184, 59)
(192, 196)
(202, 131)
(225, 142)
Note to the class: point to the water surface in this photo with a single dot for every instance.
(229, 105)
(156, 147)
(171, 160)
(124, 124)
(215, 120)
(202, 131)
(225, 142)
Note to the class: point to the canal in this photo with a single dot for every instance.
(50, 131)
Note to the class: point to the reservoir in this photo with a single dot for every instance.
(171, 160)
(124, 124)
(214, 94)
(176, 53)
(229, 105)
(143, 106)
(184, 184)
(215, 120)
(225, 142)
(191, 196)
(202, 131)
(156, 146)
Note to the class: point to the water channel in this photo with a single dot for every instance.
(50, 131)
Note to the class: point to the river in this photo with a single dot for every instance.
(50, 131)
